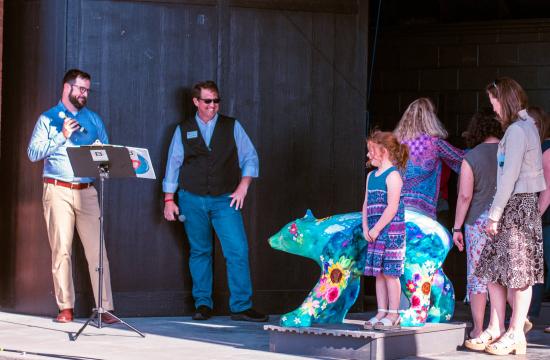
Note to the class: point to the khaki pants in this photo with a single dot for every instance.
(63, 209)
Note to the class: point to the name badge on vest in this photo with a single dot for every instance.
(192, 134)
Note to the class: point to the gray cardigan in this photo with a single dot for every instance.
(519, 160)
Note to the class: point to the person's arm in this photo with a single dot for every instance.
(515, 145)
(42, 143)
(465, 193)
(394, 184)
(544, 197)
(364, 211)
(170, 181)
(450, 155)
(248, 162)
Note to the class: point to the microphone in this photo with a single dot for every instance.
(81, 128)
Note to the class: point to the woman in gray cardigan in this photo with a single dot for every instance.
(512, 258)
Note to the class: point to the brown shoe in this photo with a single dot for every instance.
(64, 316)
(108, 318)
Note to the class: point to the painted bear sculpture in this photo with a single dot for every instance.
(337, 245)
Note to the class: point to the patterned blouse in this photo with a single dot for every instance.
(423, 171)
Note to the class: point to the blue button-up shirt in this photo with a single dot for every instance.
(49, 144)
(248, 158)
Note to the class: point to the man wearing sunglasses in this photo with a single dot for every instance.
(68, 200)
(212, 161)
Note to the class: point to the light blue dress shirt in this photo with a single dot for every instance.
(248, 158)
(49, 144)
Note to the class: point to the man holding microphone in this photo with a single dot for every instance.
(68, 200)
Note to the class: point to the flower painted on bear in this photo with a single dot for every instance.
(416, 277)
(337, 274)
(429, 266)
(415, 301)
(322, 288)
(293, 229)
(448, 317)
(297, 321)
(426, 287)
(310, 306)
(422, 314)
(333, 294)
(411, 286)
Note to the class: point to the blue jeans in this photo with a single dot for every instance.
(202, 212)
(539, 289)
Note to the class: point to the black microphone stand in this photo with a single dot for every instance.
(97, 312)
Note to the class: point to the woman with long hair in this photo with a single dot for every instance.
(421, 130)
(423, 133)
(512, 258)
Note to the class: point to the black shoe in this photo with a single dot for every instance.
(203, 312)
(249, 315)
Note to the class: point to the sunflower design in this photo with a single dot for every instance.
(337, 274)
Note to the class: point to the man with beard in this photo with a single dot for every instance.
(68, 200)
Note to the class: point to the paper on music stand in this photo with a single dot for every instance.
(141, 162)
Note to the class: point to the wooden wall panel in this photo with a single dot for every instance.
(295, 79)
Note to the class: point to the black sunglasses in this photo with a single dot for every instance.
(208, 101)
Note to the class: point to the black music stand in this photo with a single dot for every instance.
(104, 161)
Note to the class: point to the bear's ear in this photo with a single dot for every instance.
(309, 215)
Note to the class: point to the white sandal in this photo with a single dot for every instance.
(507, 344)
(369, 325)
(387, 324)
(481, 342)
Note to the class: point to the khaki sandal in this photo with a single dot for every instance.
(507, 345)
(480, 343)
(369, 325)
(386, 324)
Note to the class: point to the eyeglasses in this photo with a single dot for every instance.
(209, 101)
(83, 90)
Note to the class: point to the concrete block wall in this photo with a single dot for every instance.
(1, 46)
(453, 63)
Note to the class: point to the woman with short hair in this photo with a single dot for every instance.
(477, 185)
